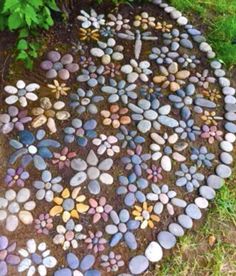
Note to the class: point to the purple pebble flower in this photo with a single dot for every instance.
(16, 177)
(7, 256)
(14, 119)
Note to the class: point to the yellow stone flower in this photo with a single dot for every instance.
(69, 205)
(213, 95)
(59, 89)
(210, 118)
(145, 215)
(164, 27)
(89, 34)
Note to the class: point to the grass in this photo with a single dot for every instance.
(209, 250)
(219, 17)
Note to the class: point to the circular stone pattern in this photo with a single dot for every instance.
(126, 140)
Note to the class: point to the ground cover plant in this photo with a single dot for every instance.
(118, 145)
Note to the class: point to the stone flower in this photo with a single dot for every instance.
(144, 21)
(8, 255)
(96, 242)
(189, 178)
(74, 266)
(69, 235)
(163, 26)
(129, 138)
(211, 133)
(80, 131)
(213, 95)
(174, 38)
(163, 55)
(89, 34)
(16, 177)
(92, 76)
(69, 205)
(210, 117)
(137, 70)
(202, 79)
(43, 224)
(99, 209)
(120, 91)
(182, 99)
(202, 157)
(107, 31)
(188, 130)
(151, 92)
(14, 119)
(63, 159)
(112, 262)
(117, 22)
(85, 101)
(108, 51)
(163, 198)
(144, 214)
(59, 66)
(106, 144)
(166, 148)
(48, 113)
(93, 170)
(47, 186)
(136, 161)
(59, 89)
(132, 187)
(122, 229)
(148, 114)
(115, 116)
(36, 259)
(21, 93)
(91, 20)
(16, 207)
(154, 173)
(30, 148)
(188, 61)
(171, 77)
(112, 70)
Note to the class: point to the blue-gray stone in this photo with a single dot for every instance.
(138, 264)
(176, 229)
(167, 121)
(231, 127)
(166, 239)
(186, 43)
(185, 221)
(204, 103)
(207, 192)
(63, 272)
(223, 171)
(72, 260)
(116, 239)
(130, 240)
(193, 211)
(124, 215)
(87, 262)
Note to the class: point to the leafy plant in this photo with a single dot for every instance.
(26, 17)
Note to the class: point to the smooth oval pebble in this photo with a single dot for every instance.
(166, 239)
(138, 264)
(154, 252)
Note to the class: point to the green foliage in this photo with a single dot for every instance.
(26, 17)
(219, 16)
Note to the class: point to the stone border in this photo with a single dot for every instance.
(207, 192)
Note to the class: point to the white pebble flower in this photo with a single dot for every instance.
(137, 70)
(91, 20)
(21, 93)
(47, 186)
(36, 259)
(118, 22)
(165, 148)
(15, 207)
(69, 236)
(106, 144)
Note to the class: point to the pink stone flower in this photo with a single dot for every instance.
(211, 133)
(99, 209)
(62, 159)
(154, 173)
(43, 224)
(96, 242)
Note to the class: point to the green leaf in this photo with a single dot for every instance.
(52, 5)
(30, 14)
(10, 5)
(22, 55)
(36, 3)
(23, 33)
(14, 21)
(22, 44)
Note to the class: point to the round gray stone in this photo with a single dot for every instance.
(166, 239)
(138, 264)
(223, 171)
(176, 229)
(185, 221)
(215, 182)
(207, 192)
(193, 211)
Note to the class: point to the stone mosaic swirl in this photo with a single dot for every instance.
(118, 151)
